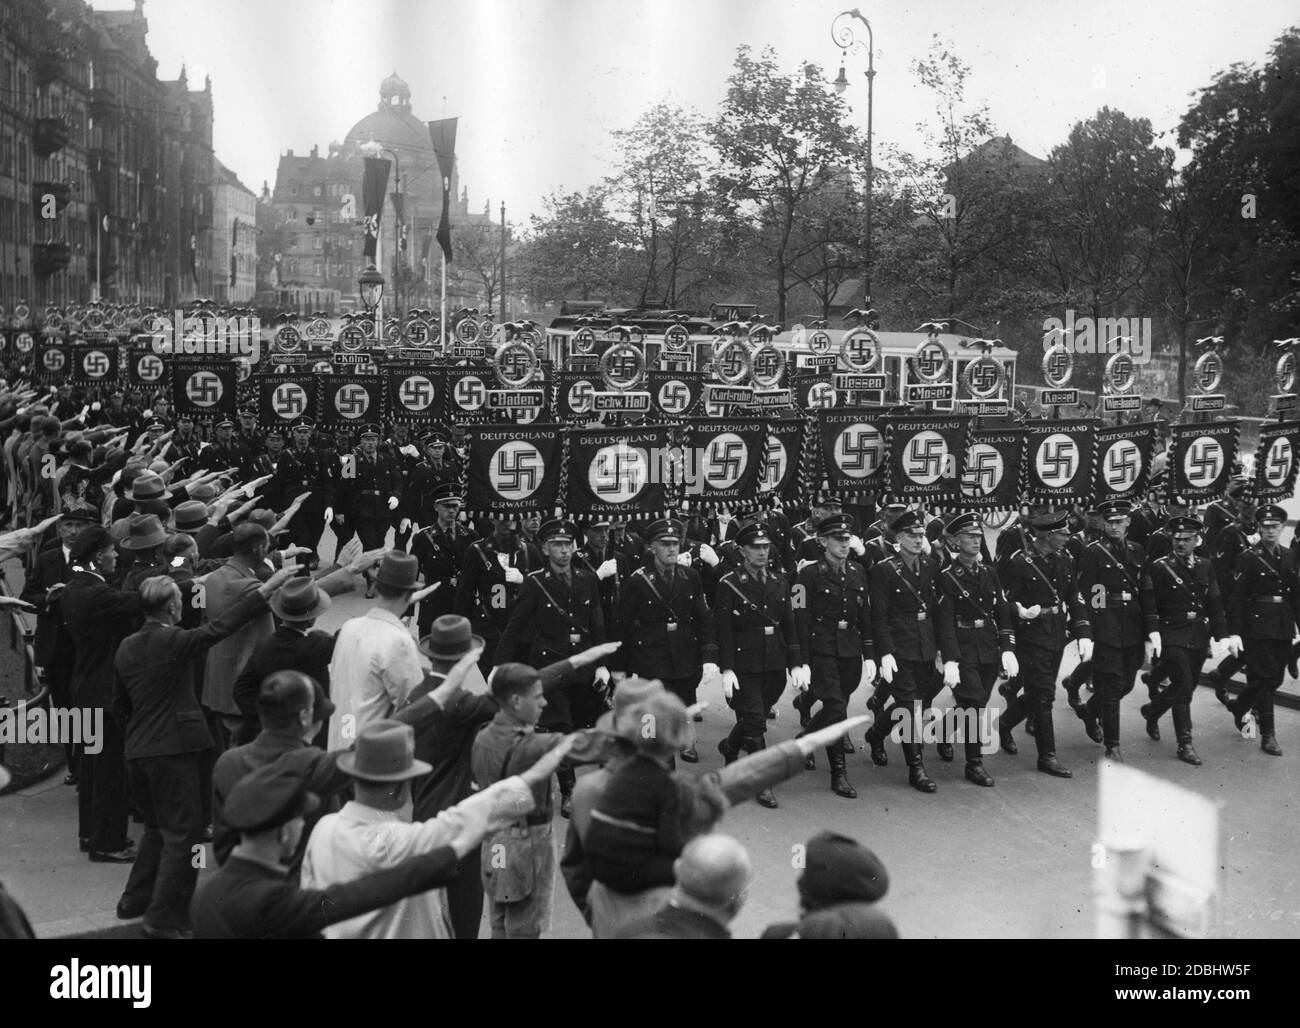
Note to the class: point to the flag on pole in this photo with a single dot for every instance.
(374, 184)
(443, 136)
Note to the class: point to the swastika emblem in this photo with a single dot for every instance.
(1058, 366)
(674, 397)
(24, 342)
(204, 389)
(731, 365)
(95, 364)
(1209, 371)
(861, 352)
(858, 451)
(471, 394)
(1277, 467)
(725, 461)
(925, 458)
(149, 368)
(1057, 460)
(289, 401)
(352, 400)
(580, 396)
(983, 471)
(931, 361)
(618, 473)
(54, 360)
(821, 395)
(1121, 372)
(1121, 466)
(516, 470)
(775, 462)
(1203, 462)
(416, 392)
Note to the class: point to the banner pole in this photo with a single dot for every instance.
(442, 304)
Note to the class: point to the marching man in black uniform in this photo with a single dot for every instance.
(1040, 584)
(1183, 609)
(1110, 577)
(402, 451)
(1263, 615)
(832, 616)
(370, 489)
(903, 604)
(224, 451)
(558, 615)
(758, 650)
(976, 636)
(491, 578)
(309, 471)
(440, 549)
(247, 434)
(426, 476)
(186, 444)
(665, 623)
(340, 454)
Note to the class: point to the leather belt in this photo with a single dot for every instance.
(1055, 608)
(1189, 615)
(1268, 599)
(371, 492)
(977, 623)
(1124, 597)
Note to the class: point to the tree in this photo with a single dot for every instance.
(573, 249)
(780, 139)
(478, 254)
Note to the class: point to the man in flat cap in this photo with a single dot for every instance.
(1041, 585)
(976, 636)
(758, 647)
(1109, 575)
(1183, 609)
(1264, 620)
(840, 883)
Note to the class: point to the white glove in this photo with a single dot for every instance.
(404, 524)
(869, 670)
(951, 674)
(708, 556)
(1234, 645)
(96, 406)
(329, 515)
(602, 675)
(888, 667)
(1154, 639)
(1029, 613)
(410, 450)
(729, 684)
(857, 545)
(1010, 666)
(514, 576)
(802, 677)
(709, 671)
(684, 559)
(607, 570)
(1084, 646)
(392, 503)
(805, 564)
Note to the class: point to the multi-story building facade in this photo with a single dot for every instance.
(234, 238)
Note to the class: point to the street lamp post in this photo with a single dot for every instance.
(844, 36)
(370, 284)
(374, 148)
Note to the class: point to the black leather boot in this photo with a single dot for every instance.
(916, 776)
(1088, 714)
(1220, 686)
(728, 748)
(1046, 740)
(1152, 718)
(810, 761)
(1186, 753)
(568, 777)
(802, 703)
(975, 764)
(1011, 717)
(944, 746)
(1267, 735)
(876, 736)
(846, 744)
(766, 798)
(840, 774)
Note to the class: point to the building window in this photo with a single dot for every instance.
(316, 269)
(315, 190)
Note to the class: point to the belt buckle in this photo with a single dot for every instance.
(574, 639)
(1126, 596)
(842, 625)
(978, 622)
(769, 630)
(921, 615)
(671, 626)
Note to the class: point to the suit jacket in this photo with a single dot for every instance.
(286, 649)
(155, 697)
(647, 605)
(53, 642)
(223, 589)
(99, 616)
(674, 923)
(246, 900)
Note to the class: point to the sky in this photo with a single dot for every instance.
(540, 85)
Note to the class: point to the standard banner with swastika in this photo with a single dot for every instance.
(513, 469)
(990, 475)
(1200, 459)
(465, 392)
(573, 391)
(782, 460)
(925, 456)
(852, 449)
(619, 471)
(204, 388)
(676, 394)
(1275, 461)
(146, 368)
(351, 400)
(415, 392)
(1057, 465)
(53, 360)
(1122, 461)
(814, 392)
(283, 399)
(723, 461)
(95, 364)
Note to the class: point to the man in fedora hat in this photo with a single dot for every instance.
(440, 548)
(376, 663)
(251, 897)
(144, 540)
(155, 700)
(372, 833)
(446, 740)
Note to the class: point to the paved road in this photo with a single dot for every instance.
(1012, 861)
